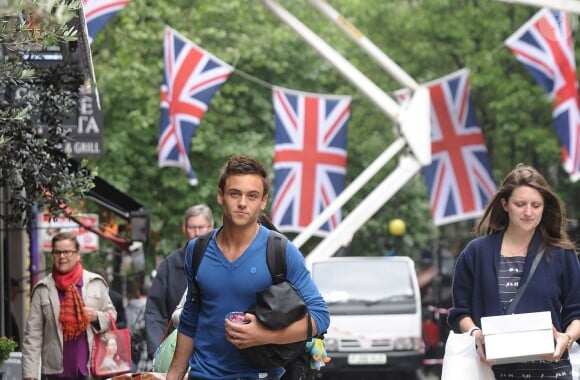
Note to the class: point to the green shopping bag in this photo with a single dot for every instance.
(164, 353)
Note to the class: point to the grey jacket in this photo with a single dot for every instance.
(43, 339)
(164, 296)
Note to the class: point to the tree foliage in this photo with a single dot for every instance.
(427, 38)
(34, 167)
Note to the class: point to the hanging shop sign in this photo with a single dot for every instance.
(48, 226)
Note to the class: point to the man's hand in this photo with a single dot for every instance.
(248, 334)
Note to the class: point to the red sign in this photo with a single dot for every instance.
(89, 241)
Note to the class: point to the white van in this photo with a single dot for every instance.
(375, 315)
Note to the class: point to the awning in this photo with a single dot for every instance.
(113, 199)
(122, 205)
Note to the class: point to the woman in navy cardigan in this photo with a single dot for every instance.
(523, 215)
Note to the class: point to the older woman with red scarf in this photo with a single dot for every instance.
(67, 308)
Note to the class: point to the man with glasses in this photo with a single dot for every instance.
(67, 308)
(170, 281)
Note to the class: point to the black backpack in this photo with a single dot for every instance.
(299, 368)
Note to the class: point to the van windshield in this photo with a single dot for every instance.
(366, 286)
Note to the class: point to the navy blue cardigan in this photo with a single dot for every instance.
(554, 287)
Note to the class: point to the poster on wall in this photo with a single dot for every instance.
(48, 226)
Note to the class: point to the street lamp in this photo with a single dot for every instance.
(397, 229)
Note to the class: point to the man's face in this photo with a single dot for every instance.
(242, 199)
(195, 226)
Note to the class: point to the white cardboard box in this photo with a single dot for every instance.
(517, 337)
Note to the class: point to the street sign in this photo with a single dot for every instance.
(86, 129)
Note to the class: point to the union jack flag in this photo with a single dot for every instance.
(99, 12)
(459, 179)
(191, 78)
(309, 158)
(544, 45)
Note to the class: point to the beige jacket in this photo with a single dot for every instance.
(43, 338)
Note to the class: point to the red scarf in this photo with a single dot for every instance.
(73, 319)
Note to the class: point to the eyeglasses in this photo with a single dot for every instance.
(64, 252)
(198, 228)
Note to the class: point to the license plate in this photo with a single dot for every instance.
(366, 359)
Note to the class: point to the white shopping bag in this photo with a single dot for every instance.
(461, 362)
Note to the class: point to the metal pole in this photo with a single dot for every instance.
(414, 121)
(342, 235)
(369, 88)
(5, 249)
(3, 239)
(352, 189)
(379, 56)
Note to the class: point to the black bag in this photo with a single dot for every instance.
(299, 369)
(277, 306)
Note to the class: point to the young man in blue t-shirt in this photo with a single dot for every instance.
(232, 270)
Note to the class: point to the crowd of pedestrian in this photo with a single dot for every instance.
(71, 304)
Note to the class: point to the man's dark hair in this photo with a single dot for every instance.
(244, 165)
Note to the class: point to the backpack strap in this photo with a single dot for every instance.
(198, 247)
(276, 256)
(167, 331)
